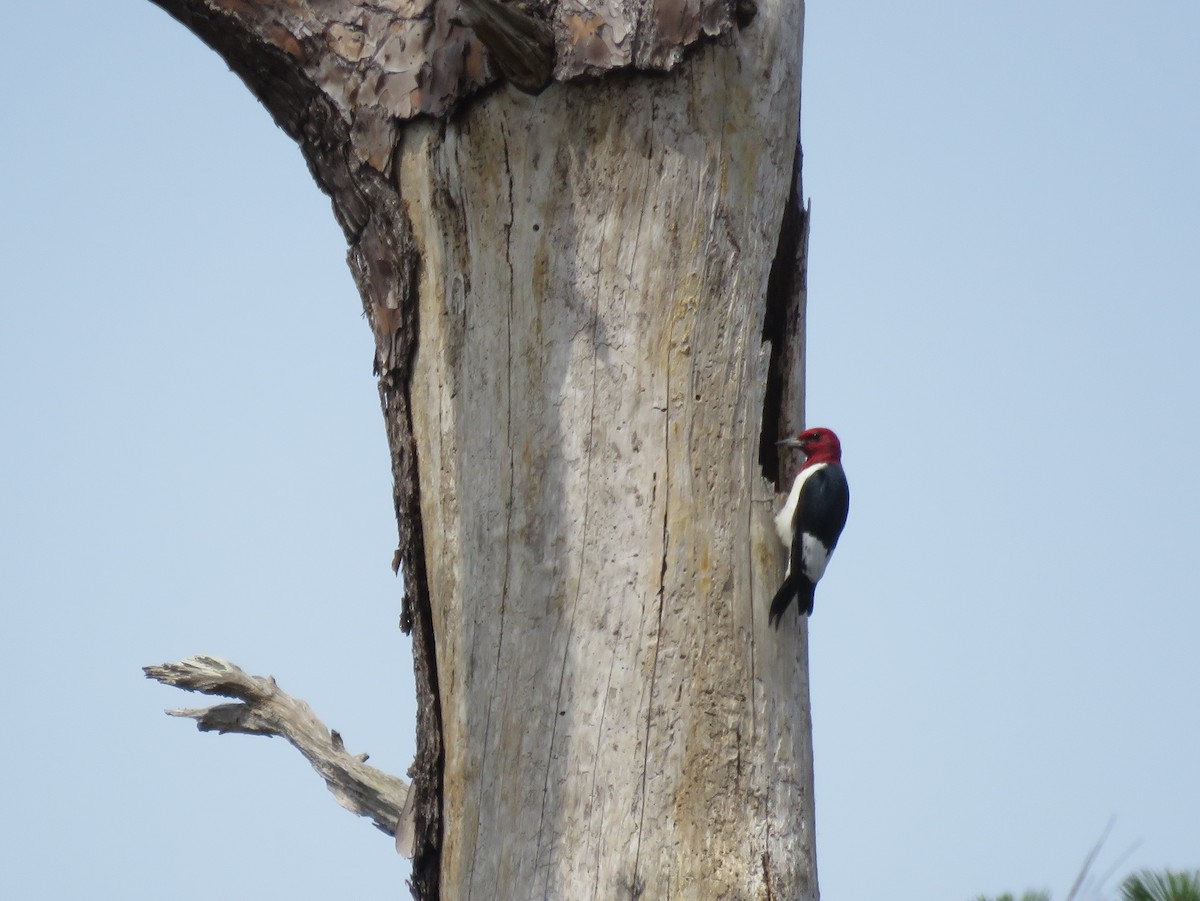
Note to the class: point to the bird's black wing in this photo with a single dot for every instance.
(823, 507)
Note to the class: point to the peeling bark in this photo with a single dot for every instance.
(387, 60)
(579, 300)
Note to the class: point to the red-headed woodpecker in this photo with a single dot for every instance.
(812, 519)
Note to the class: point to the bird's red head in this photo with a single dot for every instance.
(817, 445)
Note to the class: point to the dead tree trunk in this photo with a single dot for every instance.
(588, 311)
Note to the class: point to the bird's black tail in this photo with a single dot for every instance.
(794, 586)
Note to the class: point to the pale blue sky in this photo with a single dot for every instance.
(1003, 329)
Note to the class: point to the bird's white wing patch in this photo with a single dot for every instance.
(815, 555)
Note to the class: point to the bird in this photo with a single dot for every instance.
(812, 518)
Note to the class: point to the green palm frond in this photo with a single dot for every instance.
(1164, 885)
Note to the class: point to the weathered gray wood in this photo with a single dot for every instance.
(587, 402)
(263, 708)
(579, 301)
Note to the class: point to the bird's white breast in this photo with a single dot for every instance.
(783, 520)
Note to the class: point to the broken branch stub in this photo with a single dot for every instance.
(521, 44)
(263, 708)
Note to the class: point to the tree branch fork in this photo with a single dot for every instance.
(261, 707)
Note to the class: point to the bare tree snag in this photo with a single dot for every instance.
(588, 311)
